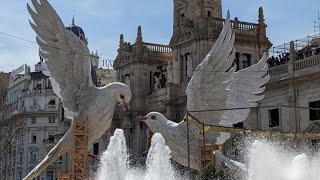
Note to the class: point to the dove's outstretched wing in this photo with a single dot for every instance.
(216, 93)
(66, 57)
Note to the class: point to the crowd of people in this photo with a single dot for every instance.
(283, 58)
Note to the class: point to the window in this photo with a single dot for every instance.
(50, 137)
(274, 117)
(33, 138)
(38, 86)
(52, 102)
(22, 137)
(33, 120)
(49, 85)
(314, 114)
(49, 175)
(96, 149)
(33, 156)
(20, 175)
(59, 161)
(52, 119)
(34, 102)
(246, 63)
(22, 103)
(20, 156)
(209, 13)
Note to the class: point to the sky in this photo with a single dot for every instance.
(104, 20)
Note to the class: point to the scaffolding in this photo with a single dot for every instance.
(79, 153)
(207, 156)
(299, 45)
(317, 24)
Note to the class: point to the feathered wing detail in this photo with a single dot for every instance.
(216, 93)
(67, 58)
(207, 87)
(243, 90)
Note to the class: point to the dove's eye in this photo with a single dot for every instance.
(153, 117)
(122, 96)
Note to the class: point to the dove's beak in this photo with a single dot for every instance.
(143, 118)
(126, 105)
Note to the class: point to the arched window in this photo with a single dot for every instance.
(209, 13)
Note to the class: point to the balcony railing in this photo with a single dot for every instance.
(34, 108)
(158, 47)
(277, 70)
(307, 62)
(52, 107)
(236, 25)
(35, 92)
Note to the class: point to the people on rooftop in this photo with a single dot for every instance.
(283, 58)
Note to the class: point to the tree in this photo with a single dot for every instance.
(10, 126)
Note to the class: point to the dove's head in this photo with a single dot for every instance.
(155, 121)
(122, 93)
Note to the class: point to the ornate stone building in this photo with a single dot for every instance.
(293, 88)
(31, 97)
(158, 74)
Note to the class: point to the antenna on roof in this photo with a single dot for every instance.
(317, 24)
(74, 12)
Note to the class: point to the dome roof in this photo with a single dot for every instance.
(78, 31)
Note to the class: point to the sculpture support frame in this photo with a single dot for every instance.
(79, 154)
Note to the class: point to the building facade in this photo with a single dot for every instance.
(291, 93)
(158, 74)
(31, 97)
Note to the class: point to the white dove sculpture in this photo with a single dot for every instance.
(214, 85)
(67, 62)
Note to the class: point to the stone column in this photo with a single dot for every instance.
(293, 57)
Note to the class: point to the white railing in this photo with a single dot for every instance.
(277, 70)
(158, 47)
(52, 107)
(307, 62)
(34, 108)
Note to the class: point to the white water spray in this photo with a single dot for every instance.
(115, 163)
(267, 161)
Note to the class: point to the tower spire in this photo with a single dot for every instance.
(72, 23)
(139, 35)
(121, 42)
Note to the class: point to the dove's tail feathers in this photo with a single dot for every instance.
(62, 147)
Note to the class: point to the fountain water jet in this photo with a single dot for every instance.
(268, 161)
(115, 161)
